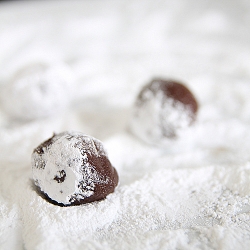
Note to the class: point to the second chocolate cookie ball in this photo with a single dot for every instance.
(162, 109)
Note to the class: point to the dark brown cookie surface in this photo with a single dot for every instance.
(72, 169)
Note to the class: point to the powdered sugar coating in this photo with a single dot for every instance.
(37, 90)
(162, 109)
(73, 168)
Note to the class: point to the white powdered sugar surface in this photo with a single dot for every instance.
(192, 194)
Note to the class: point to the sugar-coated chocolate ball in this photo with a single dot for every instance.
(162, 109)
(36, 91)
(72, 168)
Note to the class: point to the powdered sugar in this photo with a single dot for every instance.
(159, 118)
(193, 194)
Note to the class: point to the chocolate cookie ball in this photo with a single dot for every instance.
(162, 109)
(72, 169)
(37, 90)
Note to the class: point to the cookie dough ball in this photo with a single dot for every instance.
(36, 91)
(162, 109)
(72, 169)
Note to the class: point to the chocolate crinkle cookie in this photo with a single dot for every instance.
(72, 168)
(162, 109)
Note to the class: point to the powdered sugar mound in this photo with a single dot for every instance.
(10, 225)
(72, 168)
(37, 90)
(189, 205)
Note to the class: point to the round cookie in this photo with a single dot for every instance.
(162, 109)
(37, 90)
(72, 169)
